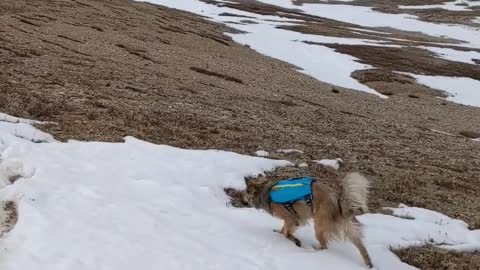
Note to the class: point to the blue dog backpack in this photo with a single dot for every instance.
(291, 190)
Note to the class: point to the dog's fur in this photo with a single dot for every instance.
(333, 214)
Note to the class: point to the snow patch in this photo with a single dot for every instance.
(12, 119)
(26, 131)
(289, 151)
(331, 163)
(427, 226)
(303, 165)
(366, 16)
(422, 227)
(454, 55)
(22, 128)
(262, 153)
(441, 132)
(460, 89)
(459, 5)
(94, 205)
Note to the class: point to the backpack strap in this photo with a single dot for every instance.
(290, 209)
(309, 202)
(309, 198)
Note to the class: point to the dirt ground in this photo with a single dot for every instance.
(105, 69)
(429, 258)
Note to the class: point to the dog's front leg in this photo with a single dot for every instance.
(288, 230)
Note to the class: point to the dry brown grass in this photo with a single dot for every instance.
(431, 258)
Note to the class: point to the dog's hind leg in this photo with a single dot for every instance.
(363, 251)
(288, 229)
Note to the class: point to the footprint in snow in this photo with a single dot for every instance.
(10, 171)
(8, 216)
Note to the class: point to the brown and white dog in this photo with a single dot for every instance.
(333, 212)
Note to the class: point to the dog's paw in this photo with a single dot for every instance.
(318, 247)
(297, 243)
(277, 231)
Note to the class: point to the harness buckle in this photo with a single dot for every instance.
(309, 201)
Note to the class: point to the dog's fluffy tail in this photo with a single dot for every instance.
(353, 197)
(354, 194)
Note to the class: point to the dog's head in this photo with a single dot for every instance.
(254, 188)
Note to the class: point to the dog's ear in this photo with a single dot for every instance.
(261, 179)
(248, 180)
(254, 183)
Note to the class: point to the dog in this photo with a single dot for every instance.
(333, 212)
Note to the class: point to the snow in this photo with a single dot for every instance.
(465, 5)
(262, 153)
(95, 205)
(438, 228)
(460, 89)
(12, 119)
(369, 31)
(26, 132)
(441, 132)
(317, 61)
(289, 151)
(426, 227)
(332, 163)
(22, 128)
(365, 16)
(454, 55)
(303, 165)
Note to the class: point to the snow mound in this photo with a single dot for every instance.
(262, 153)
(12, 119)
(22, 128)
(289, 151)
(331, 163)
(460, 90)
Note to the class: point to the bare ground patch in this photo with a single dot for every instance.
(431, 258)
(408, 59)
(9, 216)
